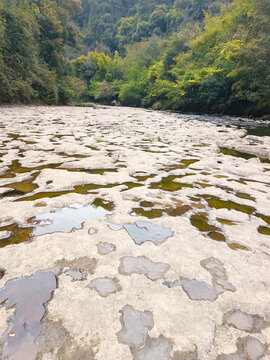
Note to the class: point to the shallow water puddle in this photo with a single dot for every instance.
(142, 176)
(142, 232)
(217, 203)
(76, 156)
(105, 286)
(68, 218)
(97, 171)
(14, 234)
(226, 222)
(183, 164)
(244, 321)
(78, 189)
(243, 155)
(265, 218)
(200, 221)
(168, 184)
(148, 210)
(197, 290)
(17, 168)
(21, 187)
(264, 230)
(43, 195)
(29, 295)
(259, 130)
(64, 220)
(247, 348)
(135, 326)
(235, 153)
(142, 265)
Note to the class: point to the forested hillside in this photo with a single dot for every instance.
(111, 25)
(189, 55)
(33, 65)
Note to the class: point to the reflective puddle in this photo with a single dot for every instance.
(168, 184)
(29, 296)
(67, 219)
(217, 203)
(264, 230)
(64, 220)
(21, 187)
(243, 155)
(142, 232)
(78, 189)
(147, 209)
(235, 153)
(183, 164)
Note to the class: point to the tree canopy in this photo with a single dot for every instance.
(188, 55)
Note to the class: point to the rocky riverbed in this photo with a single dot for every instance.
(132, 234)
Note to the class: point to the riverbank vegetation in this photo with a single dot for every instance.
(187, 55)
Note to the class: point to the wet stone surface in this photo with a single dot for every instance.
(29, 295)
(77, 275)
(244, 321)
(219, 276)
(142, 232)
(248, 348)
(197, 290)
(2, 272)
(135, 326)
(142, 265)
(92, 231)
(84, 265)
(157, 349)
(105, 286)
(105, 248)
(66, 219)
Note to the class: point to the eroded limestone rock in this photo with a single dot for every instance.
(135, 326)
(83, 264)
(2, 272)
(197, 290)
(55, 339)
(105, 248)
(142, 265)
(254, 348)
(219, 275)
(248, 348)
(154, 349)
(92, 231)
(77, 275)
(142, 232)
(104, 286)
(244, 321)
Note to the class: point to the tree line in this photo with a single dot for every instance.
(209, 56)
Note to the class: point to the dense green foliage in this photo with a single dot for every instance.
(187, 55)
(111, 25)
(33, 34)
(220, 67)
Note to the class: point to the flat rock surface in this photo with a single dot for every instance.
(111, 204)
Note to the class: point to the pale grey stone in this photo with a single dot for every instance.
(104, 286)
(105, 248)
(142, 265)
(135, 326)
